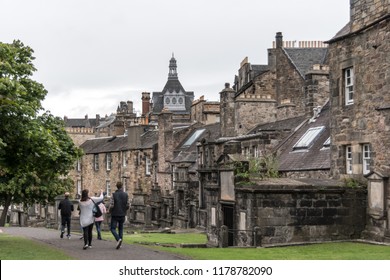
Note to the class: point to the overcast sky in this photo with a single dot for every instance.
(92, 54)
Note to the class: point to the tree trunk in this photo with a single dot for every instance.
(5, 210)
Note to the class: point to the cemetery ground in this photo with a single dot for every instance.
(45, 244)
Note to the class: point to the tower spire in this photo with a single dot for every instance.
(172, 68)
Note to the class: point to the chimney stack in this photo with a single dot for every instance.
(279, 40)
(145, 103)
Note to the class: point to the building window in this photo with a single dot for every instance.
(255, 151)
(193, 137)
(147, 165)
(348, 157)
(108, 161)
(96, 162)
(124, 183)
(327, 143)
(308, 138)
(78, 187)
(348, 82)
(366, 158)
(246, 151)
(124, 159)
(108, 188)
(78, 165)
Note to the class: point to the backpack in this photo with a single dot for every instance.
(96, 212)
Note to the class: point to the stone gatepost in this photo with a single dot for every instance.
(377, 227)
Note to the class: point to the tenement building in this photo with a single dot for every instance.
(360, 107)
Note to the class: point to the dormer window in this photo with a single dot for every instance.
(175, 101)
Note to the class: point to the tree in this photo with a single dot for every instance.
(36, 153)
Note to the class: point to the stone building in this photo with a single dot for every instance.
(185, 182)
(360, 107)
(205, 112)
(255, 96)
(278, 90)
(173, 97)
(81, 129)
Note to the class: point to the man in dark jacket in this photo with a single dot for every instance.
(119, 204)
(66, 208)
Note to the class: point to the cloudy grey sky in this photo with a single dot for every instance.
(92, 54)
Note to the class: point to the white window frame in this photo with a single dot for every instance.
(255, 151)
(108, 187)
(349, 85)
(327, 142)
(124, 158)
(195, 135)
(348, 159)
(366, 154)
(108, 161)
(78, 187)
(246, 151)
(78, 165)
(148, 163)
(308, 138)
(96, 162)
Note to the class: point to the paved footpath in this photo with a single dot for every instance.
(101, 249)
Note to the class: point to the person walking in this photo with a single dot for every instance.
(66, 208)
(99, 220)
(87, 219)
(119, 204)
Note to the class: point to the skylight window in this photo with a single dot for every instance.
(193, 137)
(308, 138)
(327, 142)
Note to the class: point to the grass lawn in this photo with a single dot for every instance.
(325, 251)
(18, 248)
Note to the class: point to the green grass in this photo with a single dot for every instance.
(18, 248)
(324, 251)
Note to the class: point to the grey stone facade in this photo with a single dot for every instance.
(285, 211)
(360, 103)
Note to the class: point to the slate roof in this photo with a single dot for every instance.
(107, 121)
(173, 85)
(284, 125)
(305, 58)
(105, 144)
(259, 69)
(343, 32)
(149, 139)
(316, 156)
(80, 122)
(189, 153)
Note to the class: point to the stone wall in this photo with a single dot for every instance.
(364, 12)
(283, 214)
(289, 88)
(205, 112)
(367, 120)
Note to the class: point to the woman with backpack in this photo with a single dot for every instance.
(87, 219)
